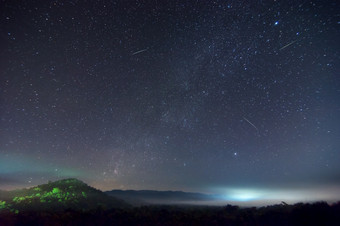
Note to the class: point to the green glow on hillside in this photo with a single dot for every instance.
(19, 199)
(2, 204)
(60, 194)
(56, 190)
(41, 196)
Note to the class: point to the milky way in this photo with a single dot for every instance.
(171, 95)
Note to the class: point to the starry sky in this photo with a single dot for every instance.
(230, 97)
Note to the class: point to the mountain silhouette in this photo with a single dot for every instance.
(59, 195)
(141, 197)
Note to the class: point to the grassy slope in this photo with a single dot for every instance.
(59, 195)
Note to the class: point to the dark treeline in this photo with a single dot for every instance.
(299, 214)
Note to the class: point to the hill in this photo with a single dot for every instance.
(59, 195)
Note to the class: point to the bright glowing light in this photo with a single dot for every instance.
(244, 197)
(241, 194)
(261, 196)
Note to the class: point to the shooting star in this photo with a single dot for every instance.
(140, 51)
(291, 43)
(251, 124)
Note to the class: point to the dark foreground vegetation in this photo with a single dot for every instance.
(299, 214)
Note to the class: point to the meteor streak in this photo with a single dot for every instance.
(291, 43)
(251, 124)
(140, 51)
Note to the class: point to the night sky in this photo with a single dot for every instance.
(240, 98)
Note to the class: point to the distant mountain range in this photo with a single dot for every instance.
(159, 197)
(59, 195)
